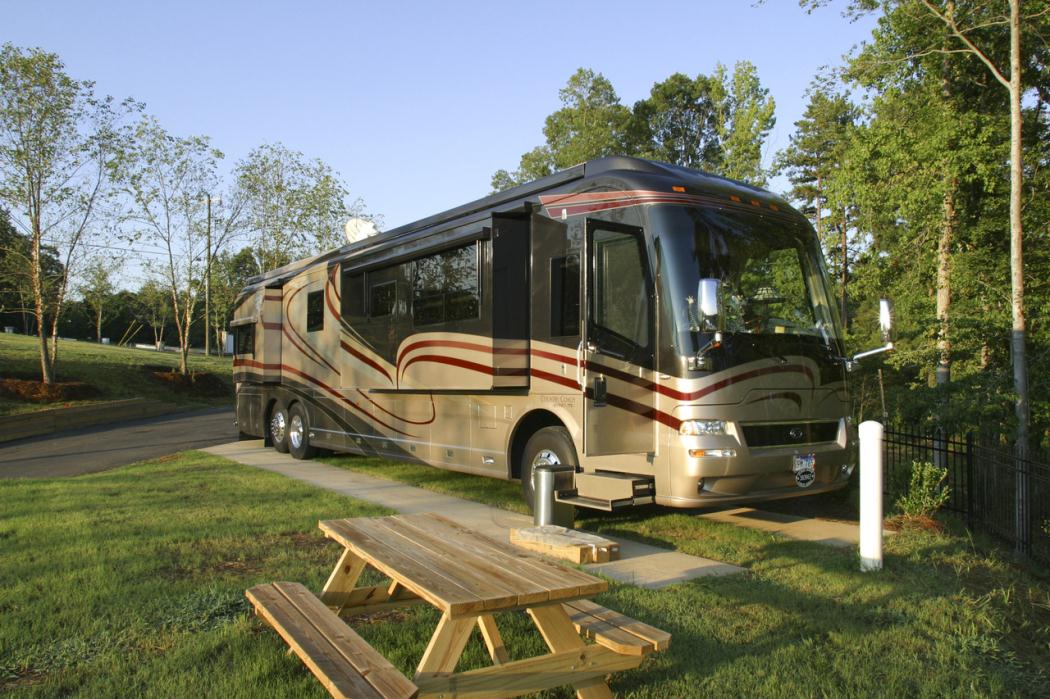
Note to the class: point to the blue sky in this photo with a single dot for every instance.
(415, 104)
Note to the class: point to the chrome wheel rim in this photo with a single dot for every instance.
(295, 432)
(277, 427)
(545, 457)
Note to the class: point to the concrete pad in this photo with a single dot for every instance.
(640, 564)
(823, 531)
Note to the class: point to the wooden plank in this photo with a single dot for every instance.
(319, 656)
(558, 632)
(499, 587)
(568, 544)
(519, 677)
(355, 600)
(343, 578)
(376, 669)
(446, 645)
(659, 638)
(449, 564)
(395, 564)
(608, 635)
(562, 582)
(493, 640)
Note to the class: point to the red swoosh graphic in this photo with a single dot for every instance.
(367, 360)
(316, 357)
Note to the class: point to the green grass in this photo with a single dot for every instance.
(130, 583)
(948, 616)
(116, 371)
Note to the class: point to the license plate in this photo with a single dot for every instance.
(803, 466)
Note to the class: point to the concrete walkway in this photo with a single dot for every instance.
(822, 531)
(639, 564)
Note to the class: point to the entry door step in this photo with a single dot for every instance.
(608, 490)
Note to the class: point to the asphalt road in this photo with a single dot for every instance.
(105, 446)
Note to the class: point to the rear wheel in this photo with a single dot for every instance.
(299, 434)
(550, 446)
(279, 429)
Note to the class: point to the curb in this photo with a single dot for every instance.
(62, 419)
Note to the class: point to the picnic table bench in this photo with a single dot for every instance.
(469, 578)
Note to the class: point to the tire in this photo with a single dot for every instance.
(548, 445)
(278, 428)
(299, 434)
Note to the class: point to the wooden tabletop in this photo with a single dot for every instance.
(457, 570)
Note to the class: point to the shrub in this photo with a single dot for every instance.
(925, 493)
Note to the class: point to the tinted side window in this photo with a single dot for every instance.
(445, 287)
(315, 311)
(382, 292)
(244, 340)
(565, 296)
(620, 317)
(353, 295)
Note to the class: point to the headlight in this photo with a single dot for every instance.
(699, 428)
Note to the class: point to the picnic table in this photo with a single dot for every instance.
(469, 578)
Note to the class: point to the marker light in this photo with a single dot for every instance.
(712, 453)
(699, 428)
(676, 188)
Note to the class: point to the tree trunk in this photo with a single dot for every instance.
(844, 272)
(47, 374)
(98, 325)
(944, 289)
(1017, 344)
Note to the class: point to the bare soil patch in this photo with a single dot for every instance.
(34, 391)
(203, 384)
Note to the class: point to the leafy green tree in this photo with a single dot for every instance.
(746, 115)
(154, 308)
(58, 141)
(295, 207)
(232, 271)
(165, 179)
(97, 288)
(812, 163)
(590, 124)
(678, 123)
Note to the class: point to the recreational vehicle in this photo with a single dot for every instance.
(667, 334)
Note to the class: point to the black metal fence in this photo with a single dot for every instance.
(993, 490)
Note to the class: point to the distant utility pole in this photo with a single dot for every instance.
(207, 288)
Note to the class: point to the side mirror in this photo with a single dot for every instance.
(886, 321)
(709, 291)
(885, 329)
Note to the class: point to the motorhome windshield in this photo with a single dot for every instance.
(772, 282)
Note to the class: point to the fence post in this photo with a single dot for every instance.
(871, 495)
(971, 485)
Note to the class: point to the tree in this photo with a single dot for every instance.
(744, 119)
(57, 145)
(678, 123)
(97, 288)
(154, 308)
(590, 124)
(165, 179)
(294, 207)
(812, 163)
(232, 271)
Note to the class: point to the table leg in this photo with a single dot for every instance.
(342, 580)
(493, 640)
(446, 645)
(561, 635)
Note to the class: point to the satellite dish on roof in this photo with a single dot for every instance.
(358, 229)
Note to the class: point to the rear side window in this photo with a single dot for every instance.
(315, 311)
(565, 296)
(244, 340)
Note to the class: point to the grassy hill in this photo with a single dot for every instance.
(116, 372)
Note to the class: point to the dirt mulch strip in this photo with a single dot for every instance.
(37, 392)
(199, 383)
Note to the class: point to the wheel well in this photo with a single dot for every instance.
(528, 426)
(267, 440)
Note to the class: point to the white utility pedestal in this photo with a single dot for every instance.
(871, 495)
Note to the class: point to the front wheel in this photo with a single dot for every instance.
(279, 429)
(548, 447)
(299, 434)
